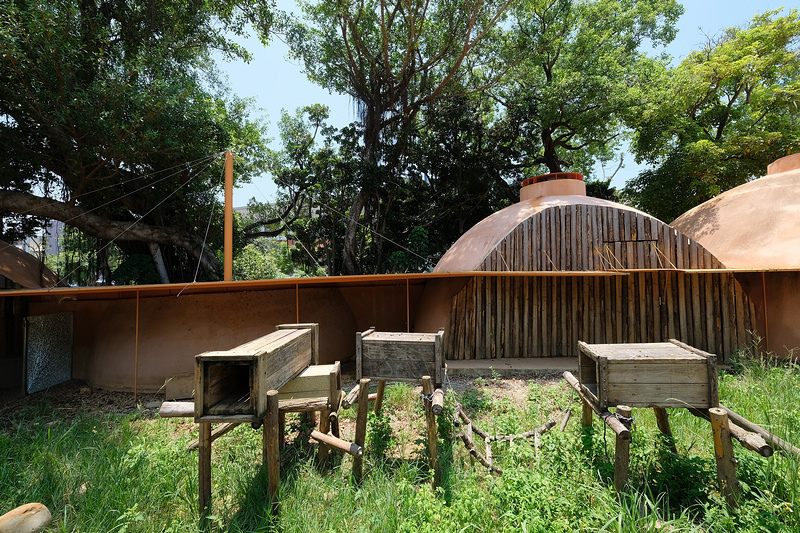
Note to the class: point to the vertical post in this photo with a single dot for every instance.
(281, 431)
(361, 426)
(204, 469)
(379, 396)
(433, 448)
(228, 239)
(272, 449)
(136, 354)
(723, 452)
(622, 455)
(662, 420)
(586, 414)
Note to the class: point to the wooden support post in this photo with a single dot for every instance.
(272, 449)
(218, 432)
(433, 438)
(324, 426)
(361, 426)
(622, 455)
(379, 397)
(586, 414)
(204, 470)
(282, 429)
(723, 452)
(662, 420)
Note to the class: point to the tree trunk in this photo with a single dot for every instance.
(158, 259)
(111, 230)
(350, 261)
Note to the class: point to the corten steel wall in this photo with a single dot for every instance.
(776, 298)
(173, 329)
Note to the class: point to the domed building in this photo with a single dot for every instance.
(559, 267)
(754, 229)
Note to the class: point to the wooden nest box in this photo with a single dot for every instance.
(232, 385)
(663, 374)
(399, 356)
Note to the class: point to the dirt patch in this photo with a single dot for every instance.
(68, 400)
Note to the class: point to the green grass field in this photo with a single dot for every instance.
(133, 473)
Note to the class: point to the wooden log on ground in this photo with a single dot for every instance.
(662, 421)
(565, 420)
(176, 410)
(437, 402)
(750, 440)
(776, 442)
(723, 453)
(348, 447)
(433, 437)
(609, 418)
(204, 470)
(476, 429)
(218, 432)
(361, 427)
(622, 455)
(272, 449)
(528, 434)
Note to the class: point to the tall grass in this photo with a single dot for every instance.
(134, 474)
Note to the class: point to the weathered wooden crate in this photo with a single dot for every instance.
(232, 385)
(399, 356)
(662, 374)
(316, 381)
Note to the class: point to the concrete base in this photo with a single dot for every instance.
(511, 367)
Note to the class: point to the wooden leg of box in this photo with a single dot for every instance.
(361, 426)
(433, 438)
(204, 470)
(662, 420)
(723, 452)
(323, 451)
(379, 397)
(272, 448)
(622, 454)
(586, 414)
(282, 429)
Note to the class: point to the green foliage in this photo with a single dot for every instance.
(132, 473)
(137, 269)
(578, 82)
(379, 434)
(111, 114)
(720, 117)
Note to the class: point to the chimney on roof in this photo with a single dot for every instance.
(556, 184)
(790, 162)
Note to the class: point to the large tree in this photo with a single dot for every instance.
(579, 83)
(110, 119)
(720, 117)
(393, 57)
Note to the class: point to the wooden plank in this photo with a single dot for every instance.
(741, 332)
(575, 319)
(669, 294)
(398, 351)
(526, 318)
(658, 373)
(176, 409)
(397, 369)
(536, 321)
(204, 469)
(725, 294)
(608, 310)
(656, 395)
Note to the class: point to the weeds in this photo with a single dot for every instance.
(128, 474)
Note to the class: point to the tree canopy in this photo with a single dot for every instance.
(110, 118)
(720, 117)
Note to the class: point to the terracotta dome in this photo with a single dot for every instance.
(754, 225)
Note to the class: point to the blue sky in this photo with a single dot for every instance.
(275, 82)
